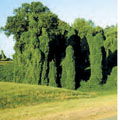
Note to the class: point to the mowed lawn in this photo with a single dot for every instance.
(33, 102)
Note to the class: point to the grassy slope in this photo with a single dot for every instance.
(32, 102)
(14, 95)
(5, 62)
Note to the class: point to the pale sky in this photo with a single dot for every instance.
(102, 12)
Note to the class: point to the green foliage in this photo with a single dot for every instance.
(44, 77)
(44, 42)
(42, 37)
(110, 43)
(91, 23)
(111, 82)
(6, 71)
(44, 46)
(3, 57)
(33, 68)
(95, 44)
(33, 27)
(110, 54)
(68, 69)
(82, 26)
(19, 23)
(52, 74)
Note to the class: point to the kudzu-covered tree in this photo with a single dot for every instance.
(33, 27)
(95, 42)
(68, 69)
(52, 74)
(83, 27)
(95, 47)
(44, 76)
(110, 45)
(44, 46)
(112, 79)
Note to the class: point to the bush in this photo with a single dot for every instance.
(112, 79)
(6, 71)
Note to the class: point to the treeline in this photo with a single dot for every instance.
(49, 51)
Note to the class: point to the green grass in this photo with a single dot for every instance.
(15, 95)
(101, 90)
(5, 62)
(35, 102)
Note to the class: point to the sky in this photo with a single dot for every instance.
(101, 12)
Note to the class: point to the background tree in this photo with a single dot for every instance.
(52, 74)
(83, 27)
(110, 43)
(68, 69)
(3, 57)
(44, 46)
(112, 79)
(110, 46)
(95, 47)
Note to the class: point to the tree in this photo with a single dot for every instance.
(111, 82)
(110, 46)
(68, 69)
(52, 74)
(110, 43)
(33, 26)
(44, 46)
(3, 57)
(91, 23)
(82, 28)
(95, 47)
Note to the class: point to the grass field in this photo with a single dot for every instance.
(5, 62)
(33, 102)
